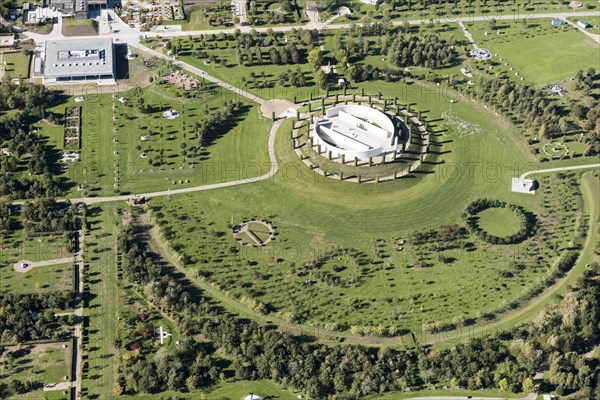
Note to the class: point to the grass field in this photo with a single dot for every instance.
(42, 364)
(101, 302)
(499, 222)
(356, 229)
(172, 156)
(559, 54)
(16, 64)
(39, 280)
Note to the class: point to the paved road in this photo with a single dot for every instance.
(544, 171)
(132, 35)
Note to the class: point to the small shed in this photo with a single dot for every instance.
(581, 23)
(556, 22)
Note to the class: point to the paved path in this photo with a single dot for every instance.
(268, 175)
(468, 35)
(593, 36)
(37, 264)
(57, 386)
(132, 35)
(530, 396)
(544, 171)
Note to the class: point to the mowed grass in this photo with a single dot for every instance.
(16, 64)
(314, 216)
(101, 302)
(557, 57)
(499, 221)
(228, 390)
(41, 364)
(112, 144)
(50, 278)
(558, 54)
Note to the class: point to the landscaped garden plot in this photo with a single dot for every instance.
(16, 65)
(72, 128)
(133, 150)
(270, 12)
(559, 54)
(37, 365)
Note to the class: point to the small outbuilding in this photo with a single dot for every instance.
(582, 24)
(252, 397)
(556, 22)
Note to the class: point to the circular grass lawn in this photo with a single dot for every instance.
(499, 221)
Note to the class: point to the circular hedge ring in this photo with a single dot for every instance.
(527, 221)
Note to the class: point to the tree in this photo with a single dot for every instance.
(503, 384)
(492, 24)
(527, 385)
(321, 79)
(315, 58)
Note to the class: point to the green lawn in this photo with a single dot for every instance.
(229, 391)
(16, 64)
(42, 364)
(358, 228)
(123, 157)
(101, 302)
(499, 222)
(559, 54)
(38, 280)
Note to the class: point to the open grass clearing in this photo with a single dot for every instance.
(499, 221)
(42, 364)
(16, 64)
(101, 302)
(559, 54)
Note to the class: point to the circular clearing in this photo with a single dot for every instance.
(254, 233)
(500, 221)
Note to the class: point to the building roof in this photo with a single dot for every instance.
(78, 57)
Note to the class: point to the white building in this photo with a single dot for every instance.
(355, 131)
(79, 60)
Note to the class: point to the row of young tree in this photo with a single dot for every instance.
(505, 360)
(540, 115)
(29, 316)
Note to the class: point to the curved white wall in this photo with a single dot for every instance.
(355, 137)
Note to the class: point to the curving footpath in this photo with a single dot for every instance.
(559, 169)
(268, 175)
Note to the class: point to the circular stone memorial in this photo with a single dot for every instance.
(355, 131)
(254, 233)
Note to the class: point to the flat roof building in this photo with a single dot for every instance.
(77, 60)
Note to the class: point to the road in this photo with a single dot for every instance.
(545, 171)
(129, 35)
